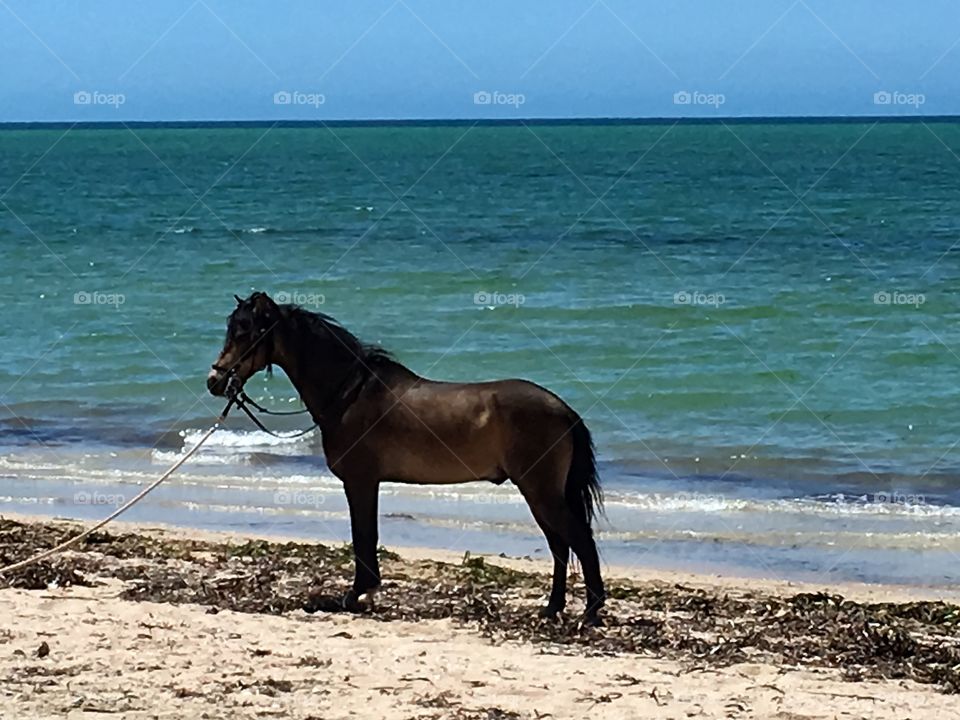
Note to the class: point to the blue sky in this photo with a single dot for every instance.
(210, 60)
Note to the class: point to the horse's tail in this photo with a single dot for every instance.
(583, 493)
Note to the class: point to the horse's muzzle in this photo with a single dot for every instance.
(217, 383)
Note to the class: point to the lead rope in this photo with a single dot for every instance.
(123, 508)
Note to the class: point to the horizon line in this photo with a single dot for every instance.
(484, 122)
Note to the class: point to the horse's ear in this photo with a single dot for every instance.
(238, 299)
(262, 304)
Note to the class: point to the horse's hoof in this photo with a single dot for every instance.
(591, 621)
(354, 601)
(548, 612)
(349, 601)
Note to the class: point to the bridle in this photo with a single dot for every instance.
(234, 389)
(236, 395)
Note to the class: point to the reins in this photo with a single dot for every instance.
(243, 401)
(249, 401)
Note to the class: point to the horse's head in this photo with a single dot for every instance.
(248, 348)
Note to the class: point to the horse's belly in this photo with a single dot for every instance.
(442, 466)
(444, 480)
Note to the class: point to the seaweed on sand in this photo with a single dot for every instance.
(917, 640)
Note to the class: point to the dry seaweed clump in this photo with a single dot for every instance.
(918, 640)
(19, 541)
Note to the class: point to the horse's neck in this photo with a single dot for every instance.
(319, 385)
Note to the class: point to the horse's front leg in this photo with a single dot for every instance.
(362, 498)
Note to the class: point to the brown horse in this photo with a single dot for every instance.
(380, 422)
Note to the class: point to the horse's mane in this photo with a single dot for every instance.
(320, 326)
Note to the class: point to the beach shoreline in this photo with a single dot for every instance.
(138, 658)
(704, 578)
(751, 529)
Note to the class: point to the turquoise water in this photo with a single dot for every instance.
(759, 322)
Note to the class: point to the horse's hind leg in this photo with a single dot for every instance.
(560, 550)
(567, 529)
(579, 535)
(583, 544)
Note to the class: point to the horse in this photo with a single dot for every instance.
(381, 422)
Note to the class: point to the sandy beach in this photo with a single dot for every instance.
(235, 635)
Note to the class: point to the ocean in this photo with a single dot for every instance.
(759, 322)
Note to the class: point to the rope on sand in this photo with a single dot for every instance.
(119, 511)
